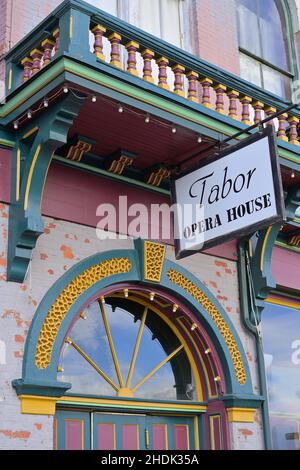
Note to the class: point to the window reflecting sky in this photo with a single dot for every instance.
(90, 335)
(281, 340)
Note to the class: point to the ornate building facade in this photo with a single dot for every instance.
(106, 340)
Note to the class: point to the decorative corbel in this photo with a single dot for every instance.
(260, 261)
(156, 174)
(32, 156)
(76, 147)
(262, 244)
(118, 161)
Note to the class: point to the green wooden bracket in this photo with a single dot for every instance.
(262, 245)
(31, 159)
(260, 262)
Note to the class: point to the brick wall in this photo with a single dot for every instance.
(17, 18)
(62, 245)
(214, 33)
(22, 16)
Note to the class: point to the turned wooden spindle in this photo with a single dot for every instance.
(132, 48)
(115, 40)
(293, 122)
(163, 63)
(220, 91)
(36, 55)
(27, 66)
(269, 110)
(246, 100)
(178, 82)
(48, 46)
(282, 119)
(193, 78)
(258, 107)
(206, 86)
(233, 108)
(147, 55)
(98, 32)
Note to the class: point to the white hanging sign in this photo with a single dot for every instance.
(229, 197)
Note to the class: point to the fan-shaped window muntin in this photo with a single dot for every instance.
(122, 346)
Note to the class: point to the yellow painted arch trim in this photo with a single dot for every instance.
(211, 395)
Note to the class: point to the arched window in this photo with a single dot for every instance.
(263, 44)
(125, 349)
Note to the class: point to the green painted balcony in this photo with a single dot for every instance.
(96, 53)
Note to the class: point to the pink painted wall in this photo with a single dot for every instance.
(285, 268)
(74, 196)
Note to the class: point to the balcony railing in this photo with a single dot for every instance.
(68, 31)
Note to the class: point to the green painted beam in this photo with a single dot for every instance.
(287, 247)
(111, 176)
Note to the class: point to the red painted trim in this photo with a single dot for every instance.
(217, 407)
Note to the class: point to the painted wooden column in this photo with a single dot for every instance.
(163, 63)
(258, 108)
(293, 122)
(27, 66)
(56, 38)
(193, 78)
(269, 110)
(115, 40)
(282, 127)
(233, 97)
(132, 47)
(47, 45)
(74, 36)
(178, 82)
(206, 86)
(246, 100)
(98, 32)
(147, 55)
(36, 55)
(220, 90)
